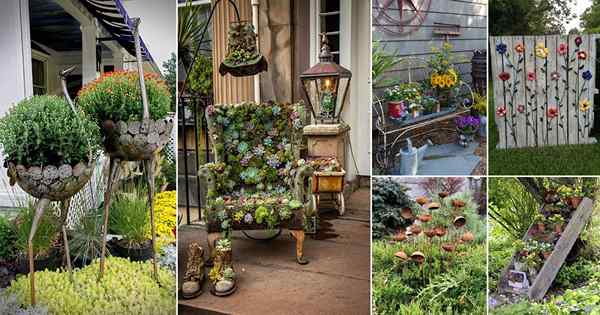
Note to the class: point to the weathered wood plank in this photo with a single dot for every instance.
(546, 276)
(499, 99)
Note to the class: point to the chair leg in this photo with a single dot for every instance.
(64, 213)
(150, 177)
(39, 212)
(299, 236)
(113, 170)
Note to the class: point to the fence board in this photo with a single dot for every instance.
(545, 110)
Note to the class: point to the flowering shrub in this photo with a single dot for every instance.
(117, 96)
(166, 217)
(126, 288)
(44, 130)
(468, 124)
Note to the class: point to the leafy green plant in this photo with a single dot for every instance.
(200, 77)
(480, 104)
(44, 130)
(46, 233)
(129, 218)
(126, 288)
(389, 197)
(409, 92)
(511, 206)
(7, 239)
(86, 239)
(116, 96)
(382, 62)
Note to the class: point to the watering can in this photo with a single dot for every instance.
(411, 157)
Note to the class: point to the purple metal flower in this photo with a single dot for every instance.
(587, 75)
(501, 48)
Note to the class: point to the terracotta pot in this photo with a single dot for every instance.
(459, 221)
(415, 229)
(406, 213)
(523, 253)
(430, 233)
(558, 228)
(449, 247)
(467, 237)
(395, 109)
(418, 257)
(443, 194)
(425, 217)
(440, 231)
(421, 200)
(457, 203)
(432, 206)
(402, 255)
(541, 227)
(399, 237)
(574, 202)
(546, 254)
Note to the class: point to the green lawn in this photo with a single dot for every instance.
(554, 160)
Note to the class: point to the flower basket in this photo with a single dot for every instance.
(243, 58)
(467, 127)
(51, 182)
(136, 140)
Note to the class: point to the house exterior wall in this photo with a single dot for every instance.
(471, 15)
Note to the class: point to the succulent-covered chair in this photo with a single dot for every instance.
(257, 180)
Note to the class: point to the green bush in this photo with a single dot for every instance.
(7, 239)
(116, 96)
(44, 130)
(129, 217)
(46, 233)
(389, 197)
(86, 239)
(126, 288)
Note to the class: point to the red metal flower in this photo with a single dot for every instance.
(582, 55)
(519, 48)
(521, 108)
(504, 76)
(501, 111)
(552, 112)
(563, 49)
(531, 76)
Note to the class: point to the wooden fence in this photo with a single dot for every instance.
(543, 89)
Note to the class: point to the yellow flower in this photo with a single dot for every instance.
(584, 105)
(541, 51)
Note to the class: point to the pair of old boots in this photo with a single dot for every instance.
(221, 275)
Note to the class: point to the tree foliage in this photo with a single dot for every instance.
(389, 197)
(590, 19)
(529, 17)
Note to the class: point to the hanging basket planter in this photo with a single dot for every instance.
(432, 206)
(459, 221)
(402, 255)
(136, 140)
(243, 58)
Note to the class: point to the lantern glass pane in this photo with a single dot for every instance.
(343, 85)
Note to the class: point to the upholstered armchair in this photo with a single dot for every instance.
(257, 180)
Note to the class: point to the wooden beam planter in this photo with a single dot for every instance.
(515, 281)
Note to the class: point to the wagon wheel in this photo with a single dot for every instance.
(341, 203)
(263, 235)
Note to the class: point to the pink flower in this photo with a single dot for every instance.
(563, 49)
(531, 76)
(552, 112)
(501, 111)
(504, 76)
(521, 108)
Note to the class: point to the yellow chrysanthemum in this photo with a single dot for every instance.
(584, 105)
(541, 51)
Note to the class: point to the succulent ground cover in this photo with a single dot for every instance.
(576, 286)
(429, 253)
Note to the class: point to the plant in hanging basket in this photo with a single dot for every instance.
(49, 149)
(114, 102)
(243, 58)
(421, 200)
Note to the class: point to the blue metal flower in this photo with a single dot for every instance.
(501, 48)
(587, 75)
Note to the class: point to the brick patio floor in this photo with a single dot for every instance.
(336, 281)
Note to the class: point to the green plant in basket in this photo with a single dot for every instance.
(116, 96)
(44, 130)
(129, 218)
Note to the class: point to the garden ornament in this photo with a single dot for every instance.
(243, 58)
(411, 157)
(222, 275)
(194, 273)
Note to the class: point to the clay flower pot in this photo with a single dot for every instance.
(418, 257)
(425, 217)
(457, 203)
(402, 255)
(449, 247)
(574, 202)
(415, 229)
(443, 194)
(430, 233)
(421, 200)
(440, 231)
(467, 237)
(432, 206)
(546, 254)
(136, 140)
(406, 213)
(541, 227)
(51, 182)
(459, 221)
(558, 228)
(399, 237)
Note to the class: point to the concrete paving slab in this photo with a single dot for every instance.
(450, 159)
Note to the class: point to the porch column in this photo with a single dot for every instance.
(88, 52)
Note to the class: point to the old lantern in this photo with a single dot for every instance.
(326, 86)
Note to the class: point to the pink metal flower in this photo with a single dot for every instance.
(504, 76)
(563, 49)
(531, 76)
(582, 55)
(521, 108)
(552, 112)
(501, 111)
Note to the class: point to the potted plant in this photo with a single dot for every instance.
(480, 109)
(444, 79)
(545, 249)
(403, 98)
(571, 196)
(243, 57)
(222, 276)
(430, 104)
(397, 110)
(557, 222)
(539, 222)
(532, 261)
(129, 219)
(466, 127)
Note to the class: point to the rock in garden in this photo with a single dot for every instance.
(223, 286)
(65, 171)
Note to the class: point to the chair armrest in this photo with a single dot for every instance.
(302, 186)
(207, 174)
